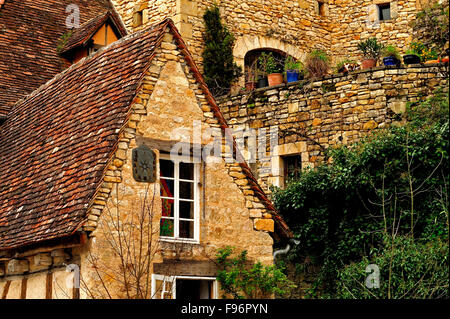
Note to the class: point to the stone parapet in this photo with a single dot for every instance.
(337, 109)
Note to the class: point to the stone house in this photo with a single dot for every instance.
(99, 137)
(290, 27)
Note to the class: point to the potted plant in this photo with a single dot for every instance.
(274, 75)
(346, 66)
(391, 56)
(317, 64)
(261, 71)
(294, 69)
(412, 55)
(371, 50)
(250, 83)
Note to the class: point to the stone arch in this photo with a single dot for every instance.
(248, 43)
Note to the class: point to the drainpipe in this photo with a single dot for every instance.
(285, 250)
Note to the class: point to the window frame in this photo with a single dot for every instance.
(297, 169)
(381, 6)
(196, 198)
(173, 280)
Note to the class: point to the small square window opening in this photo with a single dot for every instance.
(384, 11)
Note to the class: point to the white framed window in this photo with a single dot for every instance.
(184, 287)
(179, 190)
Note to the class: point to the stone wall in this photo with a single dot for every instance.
(229, 212)
(336, 109)
(356, 20)
(294, 26)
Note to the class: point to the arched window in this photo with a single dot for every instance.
(254, 69)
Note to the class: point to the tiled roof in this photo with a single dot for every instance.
(30, 32)
(85, 32)
(55, 144)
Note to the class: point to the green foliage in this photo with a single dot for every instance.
(408, 269)
(292, 64)
(320, 54)
(317, 63)
(220, 70)
(63, 40)
(370, 48)
(243, 280)
(391, 51)
(399, 176)
(268, 64)
(425, 53)
(431, 27)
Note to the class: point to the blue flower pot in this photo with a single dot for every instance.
(390, 60)
(292, 76)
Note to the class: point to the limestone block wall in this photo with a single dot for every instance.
(230, 214)
(152, 11)
(356, 20)
(291, 26)
(336, 109)
(294, 26)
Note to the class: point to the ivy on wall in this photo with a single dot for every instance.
(389, 186)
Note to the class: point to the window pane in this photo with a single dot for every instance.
(166, 227)
(385, 11)
(187, 171)
(186, 229)
(186, 190)
(158, 288)
(166, 168)
(292, 167)
(167, 188)
(168, 208)
(186, 210)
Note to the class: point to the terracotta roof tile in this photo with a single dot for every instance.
(30, 31)
(55, 144)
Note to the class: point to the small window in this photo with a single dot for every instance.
(321, 8)
(137, 18)
(292, 167)
(384, 11)
(179, 196)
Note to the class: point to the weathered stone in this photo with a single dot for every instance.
(264, 224)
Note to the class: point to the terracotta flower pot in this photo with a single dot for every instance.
(275, 79)
(250, 86)
(368, 63)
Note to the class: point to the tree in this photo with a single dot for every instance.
(219, 68)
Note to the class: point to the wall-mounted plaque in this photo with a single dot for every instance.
(144, 164)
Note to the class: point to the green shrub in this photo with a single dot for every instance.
(408, 269)
(244, 280)
(399, 176)
(370, 48)
(220, 70)
(391, 51)
(317, 63)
